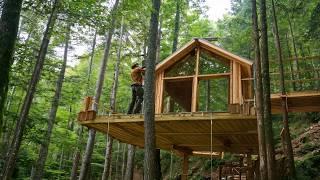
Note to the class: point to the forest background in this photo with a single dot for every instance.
(88, 23)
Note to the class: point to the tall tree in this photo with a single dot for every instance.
(99, 85)
(77, 153)
(38, 169)
(259, 94)
(130, 163)
(113, 98)
(176, 27)
(9, 24)
(21, 123)
(149, 104)
(266, 92)
(287, 138)
(295, 51)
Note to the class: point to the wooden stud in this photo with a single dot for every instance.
(231, 84)
(178, 78)
(213, 76)
(194, 100)
(185, 167)
(88, 103)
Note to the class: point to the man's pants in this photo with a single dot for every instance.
(137, 98)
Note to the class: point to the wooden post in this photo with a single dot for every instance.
(185, 167)
(195, 84)
(249, 167)
(87, 103)
(220, 173)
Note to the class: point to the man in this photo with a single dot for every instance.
(137, 89)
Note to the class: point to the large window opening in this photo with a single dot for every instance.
(185, 67)
(197, 84)
(213, 95)
(177, 95)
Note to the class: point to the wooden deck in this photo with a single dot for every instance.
(307, 101)
(185, 132)
(191, 133)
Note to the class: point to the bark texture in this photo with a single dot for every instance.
(287, 138)
(259, 95)
(130, 163)
(149, 103)
(99, 85)
(9, 24)
(266, 92)
(38, 169)
(19, 129)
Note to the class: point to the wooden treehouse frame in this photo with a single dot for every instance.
(240, 89)
(193, 130)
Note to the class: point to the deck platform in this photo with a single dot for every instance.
(306, 101)
(185, 132)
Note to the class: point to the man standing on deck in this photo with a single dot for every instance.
(136, 88)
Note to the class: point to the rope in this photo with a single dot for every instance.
(286, 99)
(170, 176)
(211, 142)
(108, 122)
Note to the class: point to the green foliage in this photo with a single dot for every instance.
(233, 32)
(308, 168)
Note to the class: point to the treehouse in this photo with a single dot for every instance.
(204, 102)
(202, 77)
(204, 105)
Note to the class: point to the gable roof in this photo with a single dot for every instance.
(186, 49)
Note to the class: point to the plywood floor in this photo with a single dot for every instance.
(185, 132)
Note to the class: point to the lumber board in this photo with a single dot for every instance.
(195, 82)
(213, 76)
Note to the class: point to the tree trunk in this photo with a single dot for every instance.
(130, 162)
(75, 164)
(290, 63)
(149, 106)
(159, 42)
(287, 138)
(90, 62)
(295, 52)
(123, 168)
(117, 160)
(9, 24)
(259, 95)
(158, 168)
(16, 141)
(108, 157)
(77, 153)
(176, 27)
(90, 143)
(39, 166)
(266, 93)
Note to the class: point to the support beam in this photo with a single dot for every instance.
(195, 84)
(249, 167)
(185, 167)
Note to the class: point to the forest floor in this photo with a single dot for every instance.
(308, 143)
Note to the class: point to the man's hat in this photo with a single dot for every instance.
(134, 65)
